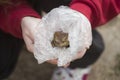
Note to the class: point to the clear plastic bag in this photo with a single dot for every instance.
(66, 20)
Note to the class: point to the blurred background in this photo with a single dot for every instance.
(106, 68)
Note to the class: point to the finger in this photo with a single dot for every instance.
(65, 66)
(53, 61)
(80, 54)
(29, 44)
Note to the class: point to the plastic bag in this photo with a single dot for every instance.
(66, 20)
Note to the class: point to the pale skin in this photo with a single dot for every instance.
(28, 24)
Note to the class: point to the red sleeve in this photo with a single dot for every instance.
(11, 15)
(97, 11)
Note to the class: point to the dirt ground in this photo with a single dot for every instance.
(106, 68)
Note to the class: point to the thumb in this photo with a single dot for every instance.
(29, 43)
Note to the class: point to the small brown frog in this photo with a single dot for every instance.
(60, 40)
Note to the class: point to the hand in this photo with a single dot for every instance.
(28, 25)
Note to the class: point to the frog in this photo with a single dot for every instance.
(60, 40)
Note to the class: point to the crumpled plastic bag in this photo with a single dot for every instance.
(69, 21)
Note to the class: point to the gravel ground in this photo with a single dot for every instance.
(106, 68)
